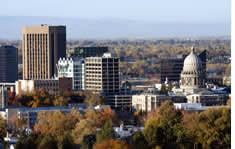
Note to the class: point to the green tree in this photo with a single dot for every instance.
(165, 128)
(139, 142)
(107, 132)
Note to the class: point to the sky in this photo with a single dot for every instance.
(161, 11)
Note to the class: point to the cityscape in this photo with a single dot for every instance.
(126, 93)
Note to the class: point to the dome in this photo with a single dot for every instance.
(192, 63)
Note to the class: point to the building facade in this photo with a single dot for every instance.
(87, 51)
(102, 74)
(148, 102)
(171, 68)
(3, 97)
(73, 68)
(52, 86)
(42, 47)
(8, 64)
(193, 75)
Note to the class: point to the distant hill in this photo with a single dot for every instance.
(11, 28)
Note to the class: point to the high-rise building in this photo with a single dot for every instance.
(102, 74)
(3, 97)
(8, 64)
(42, 45)
(171, 68)
(73, 68)
(86, 51)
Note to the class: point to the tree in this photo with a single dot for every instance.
(61, 101)
(27, 141)
(92, 99)
(88, 141)
(165, 128)
(107, 132)
(3, 128)
(48, 142)
(108, 115)
(83, 128)
(139, 142)
(113, 144)
(66, 142)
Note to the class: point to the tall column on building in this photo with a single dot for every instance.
(42, 47)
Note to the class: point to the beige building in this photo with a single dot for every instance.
(53, 86)
(42, 47)
(102, 74)
(148, 102)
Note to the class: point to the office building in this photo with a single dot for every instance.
(3, 97)
(102, 74)
(171, 67)
(86, 51)
(42, 46)
(8, 64)
(52, 86)
(73, 68)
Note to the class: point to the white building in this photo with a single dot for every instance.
(52, 86)
(73, 68)
(147, 101)
(193, 84)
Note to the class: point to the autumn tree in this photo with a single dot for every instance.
(165, 129)
(211, 128)
(61, 101)
(107, 132)
(83, 128)
(113, 144)
(93, 99)
(3, 128)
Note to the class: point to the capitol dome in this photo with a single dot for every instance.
(192, 76)
(192, 63)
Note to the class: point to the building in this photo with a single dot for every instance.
(208, 99)
(192, 75)
(73, 68)
(148, 102)
(87, 51)
(192, 84)
(120, 102)
(8, 64)
(171, 67)
(42, 46)
(52, 86)
(3, 97)
(102, 74)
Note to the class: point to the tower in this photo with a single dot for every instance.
(42, 47)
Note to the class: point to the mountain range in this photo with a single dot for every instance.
(79, 28)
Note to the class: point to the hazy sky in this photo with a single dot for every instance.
(188, 11)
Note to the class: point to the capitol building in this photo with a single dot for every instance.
(192, 83)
